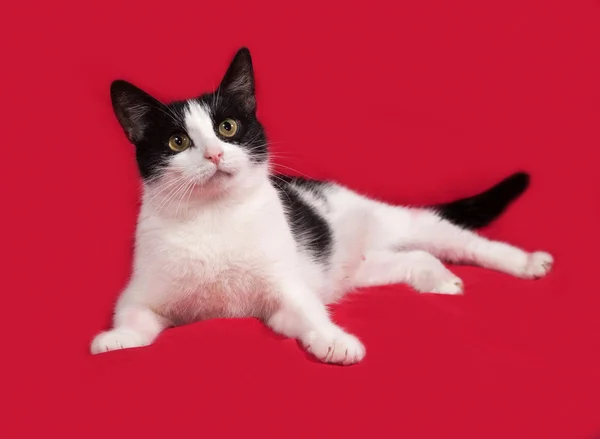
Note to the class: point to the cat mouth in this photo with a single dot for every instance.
(217, 176)
(220, 174)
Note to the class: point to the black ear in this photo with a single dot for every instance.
(239, 80)
(132, 106)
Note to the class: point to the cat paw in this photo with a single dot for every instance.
(438, 281)
(337, 347)
(538, 265)
(450, 286)
(114, 340)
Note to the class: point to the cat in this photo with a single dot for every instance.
(219, 235)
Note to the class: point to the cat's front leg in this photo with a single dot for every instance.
(303, 316)
(134, 324)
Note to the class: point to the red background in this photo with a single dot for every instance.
(469, 91)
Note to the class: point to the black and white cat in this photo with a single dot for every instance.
(220, 236)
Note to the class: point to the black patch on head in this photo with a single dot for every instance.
(250, 135)
(480, 210)
(149, 123)
(310, 230)
(235, 98)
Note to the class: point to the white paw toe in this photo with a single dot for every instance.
(114, 340)
(336, 347)
(538, 265)
(451, 286)
(439, 281)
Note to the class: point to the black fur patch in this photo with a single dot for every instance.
(480, 210)
(251, 134)
(311, 231)
(316, 187)
(149, 123)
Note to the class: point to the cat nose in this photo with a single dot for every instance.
(213, 154)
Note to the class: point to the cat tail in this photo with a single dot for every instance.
(480, 210)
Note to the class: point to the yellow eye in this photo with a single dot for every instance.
(228, 128)
(179, 142)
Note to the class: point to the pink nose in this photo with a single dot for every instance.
(213, 156)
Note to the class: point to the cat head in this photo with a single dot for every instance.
(210, 143)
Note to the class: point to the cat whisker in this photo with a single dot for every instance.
(189, 185)
(177, 196)
(293, 170)
(172, 194)
(169, 185)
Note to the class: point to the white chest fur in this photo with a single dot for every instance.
(216, 263)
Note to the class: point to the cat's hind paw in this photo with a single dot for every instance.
(438, 280)
(539, 264)
(450, 286)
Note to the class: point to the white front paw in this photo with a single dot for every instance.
(334, 346)
(538, 265)
(114, 340)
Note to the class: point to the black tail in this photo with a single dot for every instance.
(480, 210)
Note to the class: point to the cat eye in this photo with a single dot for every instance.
(228, 128)
(179, 142)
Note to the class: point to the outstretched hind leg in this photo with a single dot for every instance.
(455, 244)
(421, 229)
(423, 271)
(446, 234)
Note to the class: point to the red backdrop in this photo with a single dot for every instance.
(473, 90)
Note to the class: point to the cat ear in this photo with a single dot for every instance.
(132, 106)
(239, 80)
